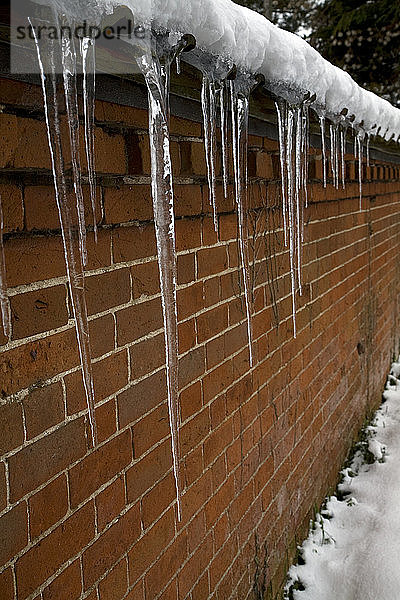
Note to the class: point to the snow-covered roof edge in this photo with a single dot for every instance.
(255, 45)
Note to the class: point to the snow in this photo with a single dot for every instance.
(354, 551)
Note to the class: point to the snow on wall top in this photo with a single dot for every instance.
(254, 44)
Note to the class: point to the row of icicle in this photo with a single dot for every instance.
(220, 97)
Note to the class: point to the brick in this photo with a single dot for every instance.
(211, 261)
(12, 206)
(8, 138)
(7, 585)
(186, 335)
(137, 321)
(138, 153)
(186, 268)
(98, 252)
(195, 431)
(30, 467)
(110, 502)
(38, 311)
(110, 546)
(147, 355)
(48, 506)
(110, 374)
(67, 585)
(41, 212)
(150, 545)
(106, 420)
(11, 426)
(145, 279)
(142, 397)
(169, 562)
(212, 322)
(3, 487)
(106, 161)
(188, 200)
(134, 242)
(21, 94)
(13, 532)
(102, 335)
(129, 203)
(187, 234)
(43, 408)
(98, 467)
(191, 400)
(151, 429)
(33, 259)
(115, 584)
(107, 290)
(148, 470)
(157, 500)
(44, 558)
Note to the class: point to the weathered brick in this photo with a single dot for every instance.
(134, 242)
(45, 557)
(158, 499)
(137, 321)
(128, 203)
(13, 532)
(11, 426)
(38, 311)
(66, 586)
(115, 584)
(7, 585)
(48, 506)
(145, 279)
(110, 502)
(98, 467)
(118, 286)
(12, 206)
(43, 408)
(110, 546)
(30, 467)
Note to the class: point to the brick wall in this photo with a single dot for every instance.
(259, 446)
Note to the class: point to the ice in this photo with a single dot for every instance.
(360, 145)
(342, 132)
(4, 303)
(323, 146)
(87, 51)
(224, 134)
(68, 56)
(209, 108)
(68, 214)
(239, 93)
(156, 77)
(281, 114)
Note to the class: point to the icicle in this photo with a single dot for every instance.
(342, 153)
(4, 303)
(225, 170)
(208, 104)
(290, 194)
(67, 212)
(305, 148)
(281, 115)
(299, 181)
(178, 64)
(240, 116)
(89, 87)
(71, 101)
(360, 141)
(323, 144)
(367, 148)
(163, 206)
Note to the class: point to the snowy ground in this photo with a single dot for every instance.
(353, 550)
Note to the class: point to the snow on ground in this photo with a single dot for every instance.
(353, 553)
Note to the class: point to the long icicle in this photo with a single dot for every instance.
(208, 105)
(71, 102)
(323, 145)
(299, 179)
(240, 117)
(4, 303)
(280, 111)
(291, 196)
(88, 56)
(224, 144)
(163, 206)
(360, 142)
(70, 237)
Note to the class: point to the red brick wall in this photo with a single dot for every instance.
(260, 446)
